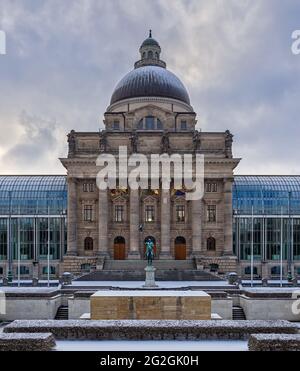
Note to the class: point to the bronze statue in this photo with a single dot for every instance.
(149, 252)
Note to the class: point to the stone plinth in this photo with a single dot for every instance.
(150, 305)
(150, 277)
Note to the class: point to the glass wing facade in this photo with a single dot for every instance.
(266, 195)
(266, 212)
(33, 195)
(33, 211)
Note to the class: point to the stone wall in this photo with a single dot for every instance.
(152, 330)
(274, 343)
(271, 308)
(73, 264)
(29, 306)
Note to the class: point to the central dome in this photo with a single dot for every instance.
(150, 81)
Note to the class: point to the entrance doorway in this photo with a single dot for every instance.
(180, 248)
(119, 248)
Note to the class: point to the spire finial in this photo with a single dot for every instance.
(150, 34)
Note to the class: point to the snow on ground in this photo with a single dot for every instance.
(163, 346)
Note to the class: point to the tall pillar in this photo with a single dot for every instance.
(103, 223)
(134, 248)
(165, 221)
(228, 243)
(197, 227)
(72, 218)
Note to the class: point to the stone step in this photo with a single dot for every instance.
(62, 313)
(238, 314)
(132, 265)
(139, 275)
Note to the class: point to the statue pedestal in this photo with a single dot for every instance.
(150, 277)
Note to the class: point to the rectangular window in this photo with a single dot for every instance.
(149, 214)
(119, 213)
(88, 187)
(211, 187)
(88, 213)
(180, 213)
(116, 125)
(183, 125)
(211, 213)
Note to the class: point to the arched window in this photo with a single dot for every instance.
(150, 123)
(276, 271)
(156, 55)
(248, 271)
(150, 54)
(88, 244)
(211, 244)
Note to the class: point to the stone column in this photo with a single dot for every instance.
(165, 221)
(134, 215)
(72, 218)
(228, 242)
(197, 227)
(103, 223)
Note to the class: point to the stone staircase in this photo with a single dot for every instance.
(238, 314)
(133, 270)
(62, 313)
(131, 265)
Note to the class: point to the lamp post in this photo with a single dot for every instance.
(281, 248)
(10, 253)
(252, 246)
(48, 253)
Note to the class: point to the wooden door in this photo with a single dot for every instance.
(119, 251)
(180, 251)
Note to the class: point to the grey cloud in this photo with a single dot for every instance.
(66, 56)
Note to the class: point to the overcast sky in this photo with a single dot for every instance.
(64, 58)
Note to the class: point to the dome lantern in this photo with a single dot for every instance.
(150, 51)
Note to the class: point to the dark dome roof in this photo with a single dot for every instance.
(150, 42)
(150, 81)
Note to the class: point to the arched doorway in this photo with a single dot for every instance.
(153, 240)
(211, 244)
(180, 248)
(119, 248)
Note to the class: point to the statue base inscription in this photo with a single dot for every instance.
(151, 305)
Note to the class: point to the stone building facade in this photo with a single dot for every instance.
(150, 113)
